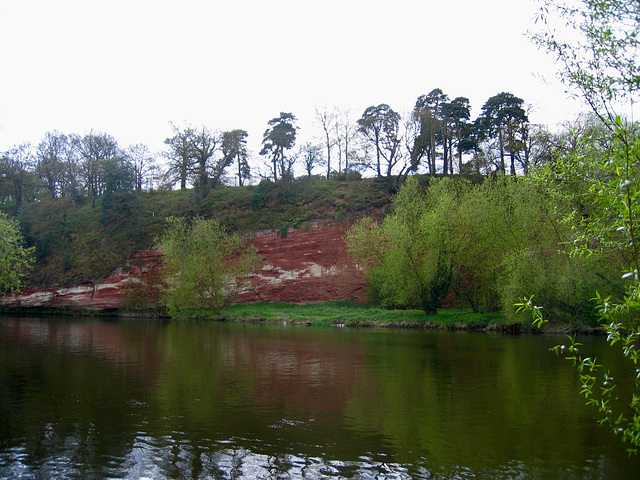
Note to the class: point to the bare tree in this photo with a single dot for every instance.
(143, 163)
(346, 132)
(328, 123)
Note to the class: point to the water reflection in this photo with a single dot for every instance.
(95, 399)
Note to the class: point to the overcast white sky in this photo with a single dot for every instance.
(129, 67)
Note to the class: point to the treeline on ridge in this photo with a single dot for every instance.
(437, 137)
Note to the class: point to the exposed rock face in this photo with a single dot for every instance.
(308, 265)
(105, 294)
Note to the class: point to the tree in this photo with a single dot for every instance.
(56, 164)
(346, 131)
(380, 126)
(504, 118)
(208, 170)
(598, 59)
(311, 156)
(457, 112)
(180, 155)
(427, 112)
(596, 45)
(327, 122)
(192, 156)
(15, 258)
(234, 149)
(17, 174)
(143, 164)
(95, 149)
(201, 264)
(409, 259)
(277, 139)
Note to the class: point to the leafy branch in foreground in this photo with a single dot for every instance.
(595, 43)
(618, 408)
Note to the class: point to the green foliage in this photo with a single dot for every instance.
(491, 243)
(202, 263)
(15, 258)
(596, 44)
(260, 196)
(600, 62)
(277, 139)
(409, 259)
(601, 390)
(74, 242)
(619, 409)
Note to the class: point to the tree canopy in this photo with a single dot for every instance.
(276, 141)
(15, 257)
(201, 264)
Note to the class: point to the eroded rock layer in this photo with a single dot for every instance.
(307, 265)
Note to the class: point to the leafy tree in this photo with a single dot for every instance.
(118, 202)
(409, 259)
(234, 148)
(180, 155)
(596, 44)
(457, 112)
(504, 118)
(56, 165)
(277, 139)
(598, 59)
(427, 112)
(380, 126)
(16, 175)
(15, 258)
(95, 151)
(202, 263)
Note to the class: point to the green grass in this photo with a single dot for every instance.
(349, 314)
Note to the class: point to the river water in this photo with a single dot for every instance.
(88, 398)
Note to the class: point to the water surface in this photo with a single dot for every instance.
(87, 398)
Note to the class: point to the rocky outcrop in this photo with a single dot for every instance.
(307, 265)
(108, 293)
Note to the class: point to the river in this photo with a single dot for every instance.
(84, 398)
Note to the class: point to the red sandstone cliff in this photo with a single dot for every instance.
(308, 265)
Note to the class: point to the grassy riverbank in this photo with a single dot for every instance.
(349, 314)
(336, 314)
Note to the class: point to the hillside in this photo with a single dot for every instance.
(78, 240)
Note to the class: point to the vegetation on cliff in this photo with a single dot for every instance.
(74, 241)
(15, 258)
(492, 243)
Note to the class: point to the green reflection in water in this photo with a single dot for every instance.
(131, 399)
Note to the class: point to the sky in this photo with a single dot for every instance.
(129, 68)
